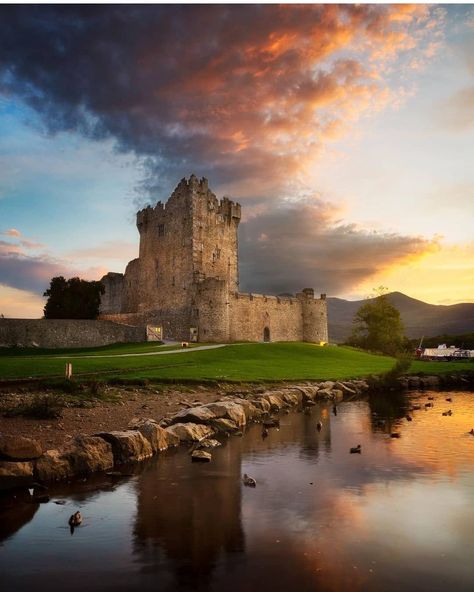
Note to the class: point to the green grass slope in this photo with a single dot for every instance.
(238, 362)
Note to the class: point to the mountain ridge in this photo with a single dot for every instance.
(419, 318)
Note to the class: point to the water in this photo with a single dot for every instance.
(400, 516)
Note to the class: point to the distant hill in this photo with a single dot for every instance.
(418, 317)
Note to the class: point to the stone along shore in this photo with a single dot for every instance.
(24, 462)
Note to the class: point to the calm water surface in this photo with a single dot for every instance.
(400, 516)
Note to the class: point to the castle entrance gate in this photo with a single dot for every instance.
(154, 333)
(266, 334)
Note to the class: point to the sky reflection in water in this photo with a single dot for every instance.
(398, 516)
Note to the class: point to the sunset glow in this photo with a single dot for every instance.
(346, 132)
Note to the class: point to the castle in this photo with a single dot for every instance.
(185, 283)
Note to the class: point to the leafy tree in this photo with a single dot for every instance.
(72, 299)
(378, 326)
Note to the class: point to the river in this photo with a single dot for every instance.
(398, 516)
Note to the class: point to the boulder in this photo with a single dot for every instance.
(275, 399)
(156, 435)
(328, 384)
(337, 394)
(19, 448)
(52, 466)
(209, 443)
(190, 432)
(201, 456)
(250, 410)
(430, 381)
(88, 454)
(228, 410)
(225, 426)
(345, 388)
(127, 446)
(261, 404)
(325, 393)
(201, 414)
(292, 399)
(12, 469)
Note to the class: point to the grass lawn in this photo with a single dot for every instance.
(238, 362)
(438, 367)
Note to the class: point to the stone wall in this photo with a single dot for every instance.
(59, 333)
(251, 313)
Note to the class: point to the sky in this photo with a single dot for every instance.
(345, 131)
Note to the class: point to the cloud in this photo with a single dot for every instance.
(457, 113)
(32, 273)
(233, 92)
(12, 232)
(297, 245)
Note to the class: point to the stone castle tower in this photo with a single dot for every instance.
(185, 280)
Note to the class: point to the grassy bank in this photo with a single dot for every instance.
(239, 362)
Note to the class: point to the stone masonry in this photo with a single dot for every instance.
(186, 278)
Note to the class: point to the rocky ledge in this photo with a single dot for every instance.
(22, 462)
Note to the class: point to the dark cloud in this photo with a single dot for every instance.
(299, 245)
(32, 274)
(230, 92)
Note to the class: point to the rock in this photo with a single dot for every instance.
(226, 426)
(431, 381)
(275, 400)
(209, 443)
(414, 382)
(337, 394)
(325, 393)
(201, 414)
(88, 454)
(229, 410)
(250, 410)
(156, 435)
(201, 456)
(261, 404)
(12, 469)
(19, 448)
(127, 446)
(328, 384)
(308, 393)
(345, 388)
(190, 432)
(52, 466)
(293, 398)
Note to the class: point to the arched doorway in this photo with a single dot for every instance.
(266, 334)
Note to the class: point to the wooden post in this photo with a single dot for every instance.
(68, 370)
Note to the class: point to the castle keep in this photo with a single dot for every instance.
(185, 281)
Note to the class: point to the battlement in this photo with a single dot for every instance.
(188, 197)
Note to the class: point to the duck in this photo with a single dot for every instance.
(472, 432)
(319, 426)
(75, 519)
(449, 412)
(395, 435)
(408, 418)
(264, 432)
(449, 400)
(356, 450)
(416, 407)
(249, 481)
(430, 398)
(429, 405)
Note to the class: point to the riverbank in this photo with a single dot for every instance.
(133, 423)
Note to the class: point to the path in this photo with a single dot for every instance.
(154, 353)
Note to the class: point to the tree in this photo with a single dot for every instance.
(378, 326)
(72, 299)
